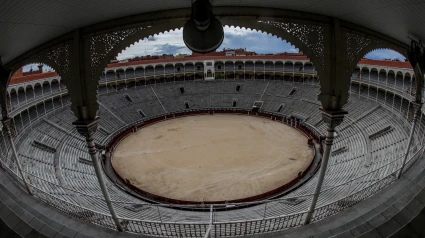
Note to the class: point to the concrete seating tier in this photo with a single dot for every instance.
(349, 172)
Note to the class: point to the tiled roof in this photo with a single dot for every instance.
(217, 58)
(384, 63)
(387, 63)
(33, 77)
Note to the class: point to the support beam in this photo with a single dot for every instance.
(332, 119)
(335, 77)
(83, 89)
(83, 92)
(417, 110)
(208, 233)
(87, 129)
(334, 91)
(7, 125)
(5, 76)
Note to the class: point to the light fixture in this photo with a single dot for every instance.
(203, 33)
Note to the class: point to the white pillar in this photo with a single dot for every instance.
(368, 86)
(408, 110)
(87, 129)
(417, 109)
(25, 92)
(6, 125)
(402, 88)
(17, 96)
(4, 152)
(332, 119)
(22, 121)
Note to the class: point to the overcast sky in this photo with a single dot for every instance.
(172, 43)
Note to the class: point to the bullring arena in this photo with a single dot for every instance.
(187, 150)
(212, 157)
(172, 171)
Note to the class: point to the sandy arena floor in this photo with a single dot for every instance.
(212, 157)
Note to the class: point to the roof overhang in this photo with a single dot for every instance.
(25, 25)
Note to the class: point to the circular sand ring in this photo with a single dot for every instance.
(211, 158)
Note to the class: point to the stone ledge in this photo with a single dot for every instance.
(22, 215)
(388, 208)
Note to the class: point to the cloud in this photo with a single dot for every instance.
(236, 31)
(171, 49)
(255, 41)
(28, 67)
(382, 54)
(167, 43)
(172, 43)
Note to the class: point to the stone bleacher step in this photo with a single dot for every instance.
(359, 118)
(20, 220)
(319, 123)
(299, 116)
(113, 114)
(340, 150)
(31, 158)
(85, 161)
(311, 101)
(367, 113)
(292, 201)
(61, 128)
(401, 215)
(137, 208)
(56, 163)
(381, 132)
(104, 130)
(398, 215)
(44, 147)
